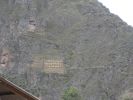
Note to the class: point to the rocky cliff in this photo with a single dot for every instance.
(79, 42)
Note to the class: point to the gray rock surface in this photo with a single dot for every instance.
(95, 45)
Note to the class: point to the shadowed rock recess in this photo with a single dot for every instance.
(47, 46)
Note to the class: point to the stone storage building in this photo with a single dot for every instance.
(48, 65)
(54, 66)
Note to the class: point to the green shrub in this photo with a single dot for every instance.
(71, 94)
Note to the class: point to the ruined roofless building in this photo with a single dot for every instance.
(5, 58)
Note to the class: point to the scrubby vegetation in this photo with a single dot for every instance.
(96, 48)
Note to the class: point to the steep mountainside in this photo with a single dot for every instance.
(92, 48)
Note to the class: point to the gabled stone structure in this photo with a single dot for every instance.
(32, 25)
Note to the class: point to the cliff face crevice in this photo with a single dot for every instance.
(89, 47)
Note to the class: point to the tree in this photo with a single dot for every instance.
(71, 94)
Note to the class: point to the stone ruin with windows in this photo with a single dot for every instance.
(48, 65)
